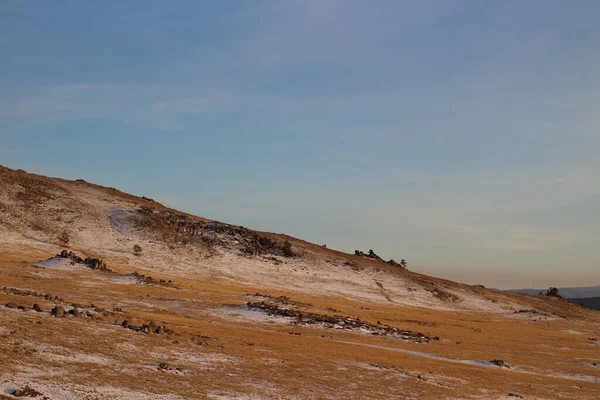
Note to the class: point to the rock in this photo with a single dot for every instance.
(125, 323)
(500, 363)
(21, 308)
(163, 366)
(37, 307)
(11, 304)
(26, 392)
(58, 311)
(160, 329)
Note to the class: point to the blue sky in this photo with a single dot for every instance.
(460, 135)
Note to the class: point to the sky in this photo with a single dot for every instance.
(462, 136)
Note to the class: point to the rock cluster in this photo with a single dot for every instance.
(371, 254)
(152, 281)
(150, 327)
(27, 391)
(182, 229)
(338, 322)
(93, 263)
(31, 293)
(500, 363)
(526, 311)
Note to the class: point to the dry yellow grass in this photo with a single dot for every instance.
(221, 349)
(549, 358)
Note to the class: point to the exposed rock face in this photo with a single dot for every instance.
(183, 229)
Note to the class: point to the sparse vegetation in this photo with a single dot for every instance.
(553, 292)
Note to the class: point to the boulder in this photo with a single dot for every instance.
(37, 307)
(163, 366)
(58, 311)
(11, 304)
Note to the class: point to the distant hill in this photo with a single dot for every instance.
(569, 293)
(590, 302)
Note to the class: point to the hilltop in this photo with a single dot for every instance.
(111, 295)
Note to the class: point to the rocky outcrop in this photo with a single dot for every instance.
(93, 263)
(183, 229)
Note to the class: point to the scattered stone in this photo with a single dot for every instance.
(500, 363)
(515, 395)
(26, 392)
(148, 280)
(58, 311)
(338, 322)
(163, 366)
(30, 293)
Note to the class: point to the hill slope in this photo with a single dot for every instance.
(211, 310)
(589, 302)
(568, 293)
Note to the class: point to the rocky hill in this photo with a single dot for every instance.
(110, 295)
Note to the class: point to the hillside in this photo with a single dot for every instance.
(205, 309)
(568, 293)
(589, 302)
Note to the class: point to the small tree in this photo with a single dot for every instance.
(64, 238)
(403, 263)
(552, 292)
(137, 249)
